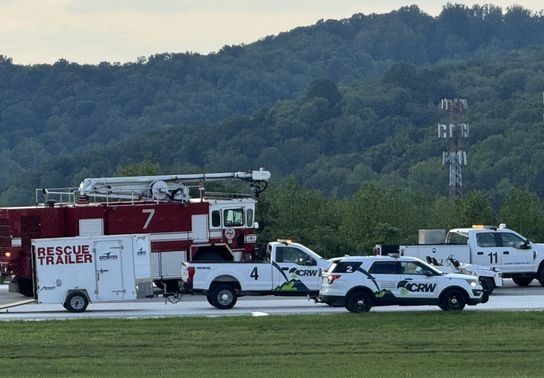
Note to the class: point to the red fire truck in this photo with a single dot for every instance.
(184, 220)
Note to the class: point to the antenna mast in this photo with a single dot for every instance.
(454, 133)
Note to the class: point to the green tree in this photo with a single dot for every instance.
(523, 211)
(474, 208)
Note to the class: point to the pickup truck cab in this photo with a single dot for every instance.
(289, 269)
(497, 247)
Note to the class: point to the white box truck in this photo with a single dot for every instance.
(77, 271)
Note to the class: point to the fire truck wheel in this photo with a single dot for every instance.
(26, 287)
(76, 302)
(452, 300)
(222, 297)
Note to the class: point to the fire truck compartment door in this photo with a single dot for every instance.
(199, 225)
(91, 227)
(167, 265)
(109, 272)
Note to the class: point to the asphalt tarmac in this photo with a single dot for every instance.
(509, 298)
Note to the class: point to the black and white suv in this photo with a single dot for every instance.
(360, 282)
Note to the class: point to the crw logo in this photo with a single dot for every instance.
(417, 287)
(108, 256)
(303, 272)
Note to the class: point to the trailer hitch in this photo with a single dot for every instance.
(173, 297)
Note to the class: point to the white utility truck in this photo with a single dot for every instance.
(289, 269)
(77, 271)
(497, 247)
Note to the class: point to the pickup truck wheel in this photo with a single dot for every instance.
(453, 300)
(522, 280)
(359, 302)
(540, 274)
(487, 284)
(211, 300)
(76, 302)
(222, 297)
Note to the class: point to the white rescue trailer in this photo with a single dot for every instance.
(76, 271)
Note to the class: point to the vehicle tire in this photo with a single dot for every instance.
(540, 274)
(26, 287)
(76, 301)
(487, 284)
(453, 300)
(359, 301)
(211, 300)
(522, 280)
(223, 297)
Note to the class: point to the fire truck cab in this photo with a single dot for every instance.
(184, 221)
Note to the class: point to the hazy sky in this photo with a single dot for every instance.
(91, 31)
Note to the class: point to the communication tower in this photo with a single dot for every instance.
(454, 133)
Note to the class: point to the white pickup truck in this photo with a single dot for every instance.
(289, 269)
(496, 247)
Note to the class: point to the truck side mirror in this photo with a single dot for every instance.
(526, 244)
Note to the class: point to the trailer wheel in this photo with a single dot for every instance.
(359, 301)
(222, 297)
(522, 280)
(76, 301)
(452, 300)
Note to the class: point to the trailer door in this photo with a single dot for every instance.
(109, 275)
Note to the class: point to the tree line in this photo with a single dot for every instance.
(379, 215)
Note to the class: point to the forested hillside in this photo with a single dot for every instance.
(347, 108)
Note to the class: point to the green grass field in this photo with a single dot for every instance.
(374, 344)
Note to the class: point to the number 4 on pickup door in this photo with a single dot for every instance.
(255, 274)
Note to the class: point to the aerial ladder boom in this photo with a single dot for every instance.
(165, 187)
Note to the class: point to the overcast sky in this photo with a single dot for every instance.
(92, 31)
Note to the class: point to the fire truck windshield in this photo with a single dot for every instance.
(233, 217)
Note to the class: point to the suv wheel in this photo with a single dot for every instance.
(359, 301)
(453, 300)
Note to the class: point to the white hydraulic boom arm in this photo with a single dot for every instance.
(165, 187)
